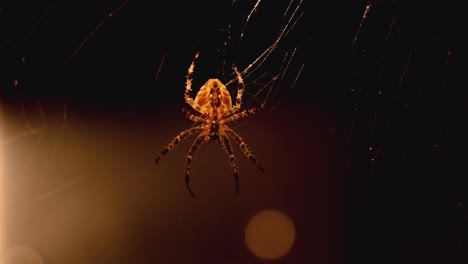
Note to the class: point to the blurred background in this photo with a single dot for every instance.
(361, 132)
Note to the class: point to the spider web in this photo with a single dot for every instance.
(278, 59)
(42, 106)
(404, 96)
(405, 102)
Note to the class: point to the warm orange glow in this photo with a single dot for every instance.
(270, 234)
(2, 224)
(21, 254)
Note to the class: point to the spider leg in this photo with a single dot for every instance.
(234, 117)
(201, 139)
(240, 90)
(188, 85)
(177, 139)
(228, 147)
(244, 148)
(192, 117)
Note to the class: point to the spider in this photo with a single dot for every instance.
(214, 108)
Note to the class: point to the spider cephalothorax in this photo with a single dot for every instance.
(213, 106)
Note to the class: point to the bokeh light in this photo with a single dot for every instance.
(270, 234)
(21, 255)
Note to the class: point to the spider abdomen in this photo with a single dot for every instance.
(213, 96)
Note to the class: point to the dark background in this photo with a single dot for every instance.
(365, 152)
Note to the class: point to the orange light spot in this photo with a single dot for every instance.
(270, 234)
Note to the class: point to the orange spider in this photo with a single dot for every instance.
(214, 106)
